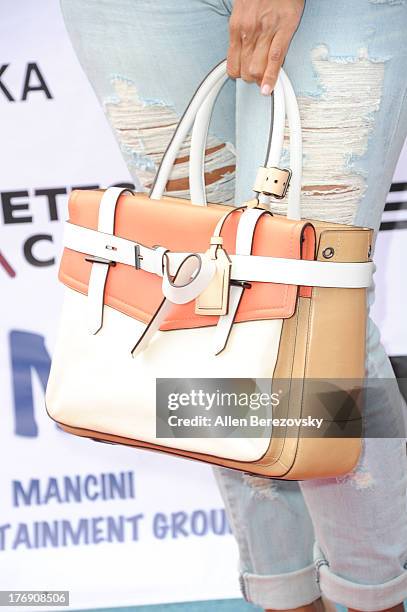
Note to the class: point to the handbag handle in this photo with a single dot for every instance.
(197, 115)
(285, 103)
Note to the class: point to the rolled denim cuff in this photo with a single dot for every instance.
(368, 597)
(281, 591)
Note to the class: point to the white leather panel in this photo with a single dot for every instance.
(96, 384)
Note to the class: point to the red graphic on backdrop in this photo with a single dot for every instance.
(6, 265)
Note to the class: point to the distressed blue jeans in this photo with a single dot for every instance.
(344, 537)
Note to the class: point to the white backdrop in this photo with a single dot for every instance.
(59, 143)
(176, 546)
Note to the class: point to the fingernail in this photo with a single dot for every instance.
(266, 90)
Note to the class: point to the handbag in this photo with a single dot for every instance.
(160, 289)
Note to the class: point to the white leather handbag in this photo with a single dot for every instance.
(165, 288)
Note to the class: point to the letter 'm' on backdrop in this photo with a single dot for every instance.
(115, 526)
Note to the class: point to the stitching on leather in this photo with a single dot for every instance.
(310, 322)
(144, 317)
(251, 313)
(293, 342)
(309, 318)
(292, 465)
(213, 459)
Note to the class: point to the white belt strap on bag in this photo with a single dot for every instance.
(244, 267)
(100, 269)
(244, 241)
(192, 277)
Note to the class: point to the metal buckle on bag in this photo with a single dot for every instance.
(272, 181)
(242, 284)
(102, 260)
(137, 257)
(214, 300)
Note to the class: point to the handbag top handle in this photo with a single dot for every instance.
(198, 114)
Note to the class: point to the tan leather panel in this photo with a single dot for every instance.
(288, 455)
(319, 324)
(283, 371)
(290, 364)
(336, 349)
(338, 316)
(348, 246)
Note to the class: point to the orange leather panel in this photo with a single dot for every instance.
(178, 225)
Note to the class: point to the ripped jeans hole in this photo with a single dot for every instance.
(262, 488)
(144, 127)
(360, 477)
(336, 126)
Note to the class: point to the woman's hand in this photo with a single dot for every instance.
(260, 34)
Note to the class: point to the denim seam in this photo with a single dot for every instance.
(258, 591)
(353, 589)
(234, 519)
(227, 8)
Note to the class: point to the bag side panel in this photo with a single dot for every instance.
(335, 350)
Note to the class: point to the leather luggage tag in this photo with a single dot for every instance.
(214, 300)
